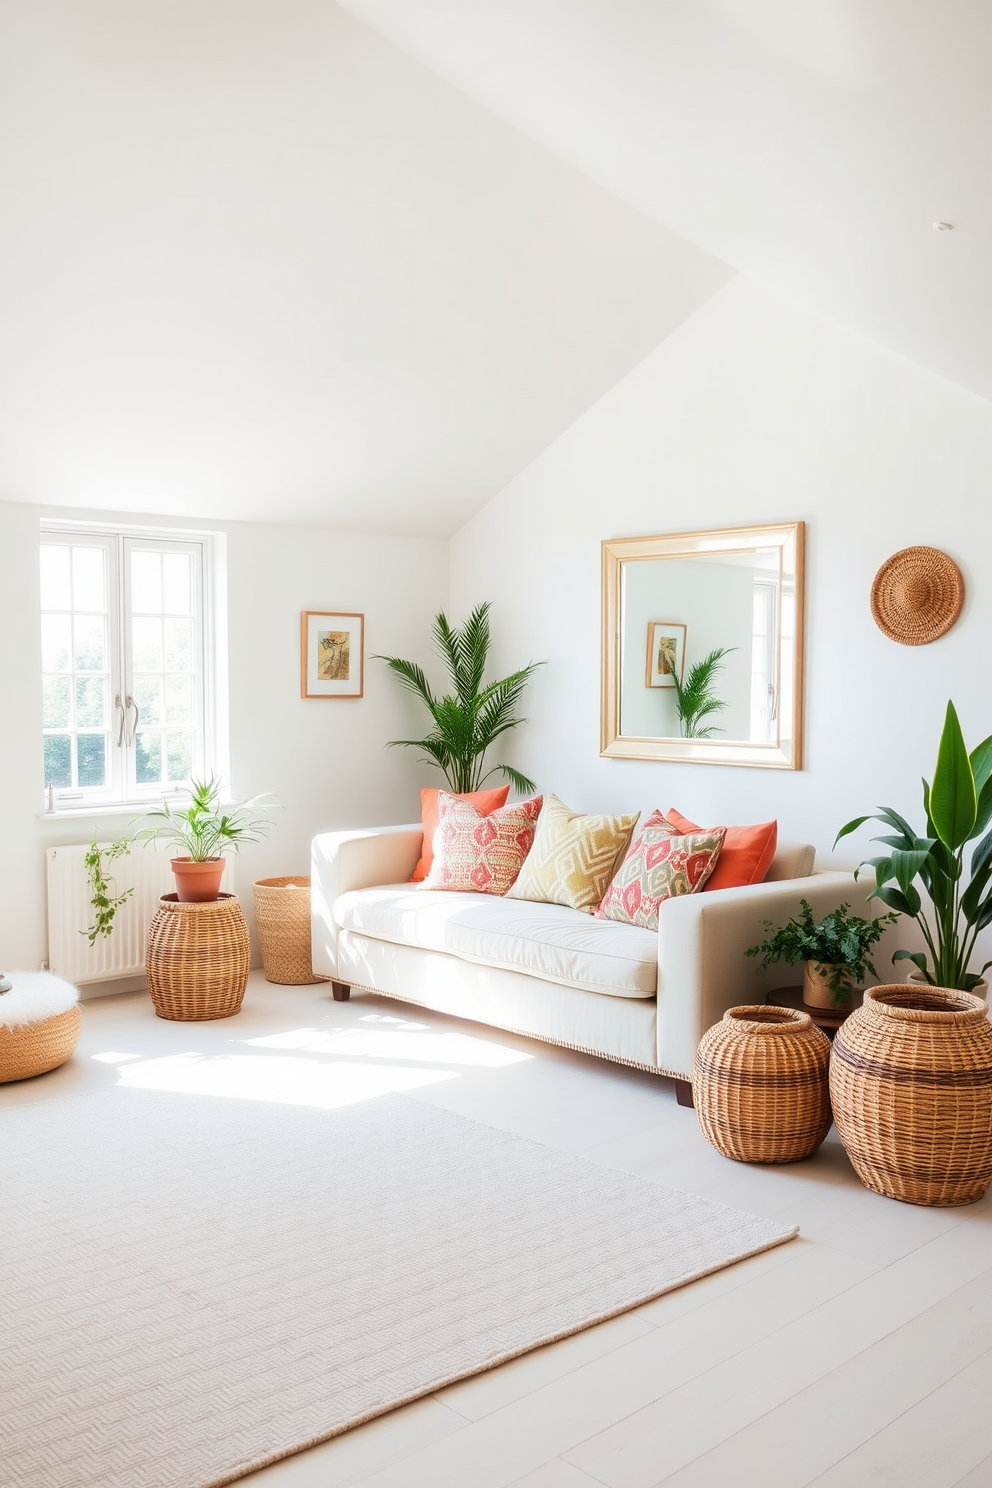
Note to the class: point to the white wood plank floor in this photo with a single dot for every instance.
(859, 1354)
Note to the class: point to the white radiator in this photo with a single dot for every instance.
(121, 954)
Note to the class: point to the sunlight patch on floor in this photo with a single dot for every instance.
(410, 1042)
(283, 1081)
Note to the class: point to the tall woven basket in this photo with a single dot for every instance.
(282, 914)
(197, 959)
(759, 1085)
(911, 1085)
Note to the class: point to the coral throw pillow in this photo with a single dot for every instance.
(747, 852)
(573, 857)
(485, 800)
(662, 864)
(477, 852)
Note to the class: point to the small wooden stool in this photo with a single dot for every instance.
(39, 1024)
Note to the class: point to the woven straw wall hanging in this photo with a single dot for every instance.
(917, 596)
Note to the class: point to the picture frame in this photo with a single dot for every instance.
(666, 653)
(332, 654)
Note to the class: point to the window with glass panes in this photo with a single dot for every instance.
(124, 665)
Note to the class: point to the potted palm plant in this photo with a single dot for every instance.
(695, 698)
(958, 811)
(202, 832)
(470, 717)
(834, 951)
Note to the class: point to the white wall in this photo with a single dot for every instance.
(753, 412)
(323, 759)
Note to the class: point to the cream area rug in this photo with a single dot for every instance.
(194, 1287)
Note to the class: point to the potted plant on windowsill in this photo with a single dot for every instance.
(958, 808)
(834, 952)
(203, 831)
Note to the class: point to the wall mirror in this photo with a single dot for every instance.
(669, 603)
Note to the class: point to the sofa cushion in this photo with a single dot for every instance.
(475, 851)
(573, 857)
(548, 941)
(747, 852)
(484, 800)
(661, 864)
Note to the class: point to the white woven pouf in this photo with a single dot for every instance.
(39, 1024)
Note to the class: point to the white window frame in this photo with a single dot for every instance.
(210, 713)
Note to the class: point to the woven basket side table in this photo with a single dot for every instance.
(282, 915)
(911, 1086)
(39, 1025)
(197, 959)
(759, 1083)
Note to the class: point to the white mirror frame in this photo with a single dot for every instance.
(789, 538)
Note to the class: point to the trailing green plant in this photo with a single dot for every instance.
(474, 713)
(103, 887)
(840, 941)
(202, 829)
(695, 699)
(958, 810)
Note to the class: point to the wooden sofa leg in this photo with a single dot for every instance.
(683, 1090)
(342, 992)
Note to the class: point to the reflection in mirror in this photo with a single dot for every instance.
(702, 646)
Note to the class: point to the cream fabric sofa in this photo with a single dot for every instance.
(641, 997)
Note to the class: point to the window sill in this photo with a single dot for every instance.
(80, 813)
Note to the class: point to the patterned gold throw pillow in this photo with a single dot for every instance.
(573, 857)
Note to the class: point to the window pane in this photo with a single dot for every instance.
(148, 696)
(89, 591)
(177, 645)
(58, 760)
(179, 754)
(56, 643)
(177, 705)
(147, 636)
(55, 702)
(146, 583)
(55, 591)
(148, 757)
(91, 752)
(176, 582)
(91, 649)
(91, 702)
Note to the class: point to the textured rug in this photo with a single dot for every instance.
(196, 1287)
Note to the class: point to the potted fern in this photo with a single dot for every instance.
(834, 951)
(469, 717)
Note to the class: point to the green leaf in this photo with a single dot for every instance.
(918, 958)
(907, 904)
(905, 867)
(853, 826)
(981, 763)
(953, 799)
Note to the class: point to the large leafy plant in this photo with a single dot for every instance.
(840, 941)
(958, 808)
(470, 717)
(695, 698)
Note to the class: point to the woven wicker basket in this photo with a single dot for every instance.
(911, 1085)
(282, 914)
(34, 1048)
(759, 1083)
(197, 959)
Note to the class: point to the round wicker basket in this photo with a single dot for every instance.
(282, 914)
(759, 1084)
(911, 1085)
(197, 959)
(34, 1048)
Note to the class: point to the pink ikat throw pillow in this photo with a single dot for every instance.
(660, 865)
(480, 854)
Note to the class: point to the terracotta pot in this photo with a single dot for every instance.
(918, 979)
(197, 883)
(817, 991)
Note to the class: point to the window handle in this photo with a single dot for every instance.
(120, 731)
(130, 703)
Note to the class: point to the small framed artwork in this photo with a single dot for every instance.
(666, 653)
(332, 654)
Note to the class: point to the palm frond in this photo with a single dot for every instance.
(521, 783)
(412, 676)
(694, 697)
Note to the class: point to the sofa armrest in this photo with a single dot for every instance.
(354, 860)
(702, 938)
